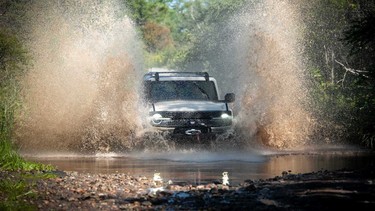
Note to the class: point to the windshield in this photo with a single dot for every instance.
(181, 90)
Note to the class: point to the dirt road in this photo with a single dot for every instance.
(323, 190)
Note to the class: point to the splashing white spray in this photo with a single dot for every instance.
(267, 64)
(81, 92)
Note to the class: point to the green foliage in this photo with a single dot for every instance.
(340, 46)
(359, 36)
(13, 63)
(11, 54)
(174, 30)
(16, 186)
(15, 191)
(342, 3)
(156, 22)
(204, 21)
(10, 160)
(13, 59)
(143, 11)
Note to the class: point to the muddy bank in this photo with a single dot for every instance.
(323, 190)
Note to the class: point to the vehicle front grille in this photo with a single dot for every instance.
(195, 123)
(192, 119)
(191, 115)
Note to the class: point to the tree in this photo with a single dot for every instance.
(158, 25)
(205, 20)
(175, 31)
(340, 50)
(360, 37)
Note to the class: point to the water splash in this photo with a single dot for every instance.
(81, 93)
(265, 59)
(276, 97)
(225, 178)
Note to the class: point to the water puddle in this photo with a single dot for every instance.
(200, 167)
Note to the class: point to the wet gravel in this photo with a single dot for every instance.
(323, 190)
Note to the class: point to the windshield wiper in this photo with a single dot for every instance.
(202, 90)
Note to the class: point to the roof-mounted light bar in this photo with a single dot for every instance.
(157, 75)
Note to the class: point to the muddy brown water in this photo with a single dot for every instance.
(200, 167)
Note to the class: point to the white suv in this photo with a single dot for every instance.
(186, 103)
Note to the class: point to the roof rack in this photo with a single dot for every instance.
(157, 75)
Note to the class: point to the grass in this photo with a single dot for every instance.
(16, 187)
(16, 174)
(17, 178)
(12, 194)
(10, 160)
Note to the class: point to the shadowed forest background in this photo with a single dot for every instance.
(338, 44)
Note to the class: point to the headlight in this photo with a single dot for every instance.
(225, 116)
(156, 118)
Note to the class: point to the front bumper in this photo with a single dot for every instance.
(192, 123)
(189, 131)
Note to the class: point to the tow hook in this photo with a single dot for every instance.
(192, 132)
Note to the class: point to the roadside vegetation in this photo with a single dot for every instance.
(340, 46)
(16, 173)
(17, 186)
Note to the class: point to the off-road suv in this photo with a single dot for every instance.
(186, 103)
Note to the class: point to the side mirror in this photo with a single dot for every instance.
(230, 98)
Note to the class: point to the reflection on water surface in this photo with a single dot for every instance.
(203, 167)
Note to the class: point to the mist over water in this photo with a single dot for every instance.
(82, 93)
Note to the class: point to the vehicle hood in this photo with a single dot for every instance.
(181, 105)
